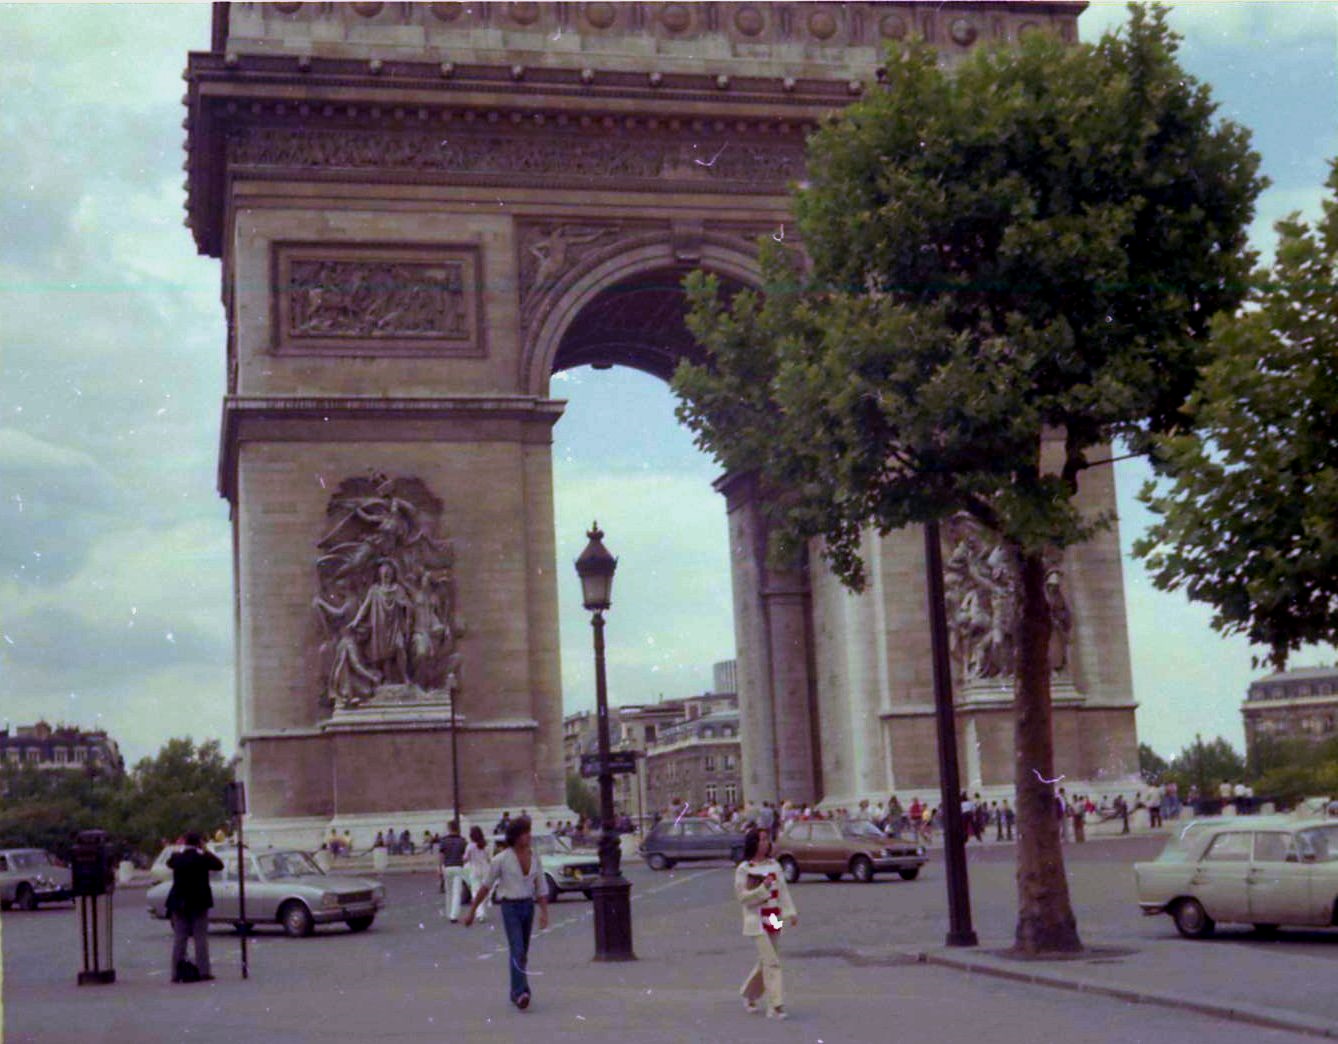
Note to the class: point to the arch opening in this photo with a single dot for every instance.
(637, 321)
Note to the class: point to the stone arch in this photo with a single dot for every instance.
(601, 270)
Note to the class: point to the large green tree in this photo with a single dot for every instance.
(1249, 519)
(178, 789)
(1031, 244)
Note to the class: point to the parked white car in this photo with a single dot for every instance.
(285, 888)
(1261, 870)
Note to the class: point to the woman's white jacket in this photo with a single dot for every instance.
(752, 900)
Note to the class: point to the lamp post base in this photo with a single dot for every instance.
(966, 938)
(612, 898)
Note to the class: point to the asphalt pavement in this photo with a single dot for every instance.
(854, 970)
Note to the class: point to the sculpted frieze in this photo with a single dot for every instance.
(385, 578)
(369, 299)
(981, 595)
(548, 154)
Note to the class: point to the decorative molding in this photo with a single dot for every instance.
(377, 300)
(537, 156)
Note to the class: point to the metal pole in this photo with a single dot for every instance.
(960, 931)
(612, 899)
(455, 759)
(241, 897)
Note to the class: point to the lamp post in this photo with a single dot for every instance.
(612, 892)
(960, 931)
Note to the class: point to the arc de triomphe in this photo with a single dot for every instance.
(423, 211)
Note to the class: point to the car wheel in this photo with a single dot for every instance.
(552, 888)
(861, 868)
(1192, 920)
(657, 862)
(790, 868)
(296, 919)
(910, 873)
(360, 924)
(26, 898)
(5, 904)
(835, 877)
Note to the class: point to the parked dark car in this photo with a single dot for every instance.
(677, 841)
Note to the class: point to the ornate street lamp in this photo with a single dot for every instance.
(612, 892)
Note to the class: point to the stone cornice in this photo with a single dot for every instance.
(367, 418)
(740, 71)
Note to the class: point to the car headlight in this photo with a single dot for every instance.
(920, 850)
(330, 900)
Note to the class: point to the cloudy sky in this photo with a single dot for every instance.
(115, 586)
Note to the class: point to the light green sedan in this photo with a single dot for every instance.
(1261, 870)
(283, 887)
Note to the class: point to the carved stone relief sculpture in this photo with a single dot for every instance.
(386, 597)
(981, 595)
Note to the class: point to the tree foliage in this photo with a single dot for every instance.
(1151, 765)
(1031, 244)
(1249, 521)
(179, 789)
(1206, 765)
(581, 798)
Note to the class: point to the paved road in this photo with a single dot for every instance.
(414, 976)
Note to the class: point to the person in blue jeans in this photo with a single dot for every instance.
(516, 874)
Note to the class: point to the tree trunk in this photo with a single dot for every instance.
(1045, 922)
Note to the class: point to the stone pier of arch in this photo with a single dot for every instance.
(422, 211)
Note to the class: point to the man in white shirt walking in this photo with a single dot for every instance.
(516, 875)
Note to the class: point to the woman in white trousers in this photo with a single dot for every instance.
(764, 896)
(476, 867)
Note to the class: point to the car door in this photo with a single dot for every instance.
(669, 840)
(795, 842)
(223, 883)
(827, 853)
(1318, 851)
(696, 843)
(1219, 879)
(1278, 885)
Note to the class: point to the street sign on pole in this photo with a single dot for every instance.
(621, 763)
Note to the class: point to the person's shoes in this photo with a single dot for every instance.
(750, 1006)
(777, 1013)
(523, 1001)
(454, 920)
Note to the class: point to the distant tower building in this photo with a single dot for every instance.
(726, 674)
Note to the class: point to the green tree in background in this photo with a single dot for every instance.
(1026, 248)
(1151, 765)
(178, 789)
(1249, 522)
(581, 798)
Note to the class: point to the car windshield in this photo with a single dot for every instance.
(1182, 845)
(862, 830)
(1318, 844)
(30, 860)
(550, 844)
(278, 865)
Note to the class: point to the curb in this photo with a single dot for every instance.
(1249, 1014)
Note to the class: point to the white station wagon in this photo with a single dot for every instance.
(1261, 870)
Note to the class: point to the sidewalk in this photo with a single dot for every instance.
(1268, 985)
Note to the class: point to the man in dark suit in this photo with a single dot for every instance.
(189, 902)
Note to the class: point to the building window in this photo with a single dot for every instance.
(710, 793)
(33, 755)
(708, 731)
(729, 762)
(62, 755)
(13, 755)
(731, 794)
(80, 755)
(650, 733)
(728, 730)
(710, 763)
